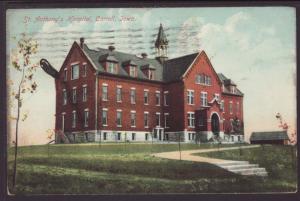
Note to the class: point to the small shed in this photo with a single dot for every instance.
(270, 137)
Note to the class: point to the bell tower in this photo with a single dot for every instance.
(161, 45)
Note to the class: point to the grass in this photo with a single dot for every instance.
(120, 168)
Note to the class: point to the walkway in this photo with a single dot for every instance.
(238, 167)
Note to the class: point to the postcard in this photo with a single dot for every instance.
(164, 100)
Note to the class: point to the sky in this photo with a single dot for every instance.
(254, 46)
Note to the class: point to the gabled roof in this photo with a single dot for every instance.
(175, 68)
(269, 135)
(225, 81)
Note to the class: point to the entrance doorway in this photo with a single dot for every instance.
(215, 125)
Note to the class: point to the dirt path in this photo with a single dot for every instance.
(187, 155)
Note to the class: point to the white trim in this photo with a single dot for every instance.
(166, 92)
(211, 114)
(157, 113)
(146, 112)
(166, 113)
(104, 84)
(119, 86)
(132, 88)
(86, 109)
(85, 85)
(119, 110)
(105, 109)
(83, 63)
(74, 88)
(63, 113)
(157, 91)
(146, 89)
(74, 63)
(132, 111)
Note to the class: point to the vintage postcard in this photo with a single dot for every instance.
(151, 100)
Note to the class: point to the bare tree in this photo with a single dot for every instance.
(21, 61)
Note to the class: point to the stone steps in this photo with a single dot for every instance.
(244, 168)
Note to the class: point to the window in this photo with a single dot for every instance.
(104, 93)
(232, 89)
(132, 96)
(166, 98)
(157, 98)
(74, 96)
(232, 138)
(63, 121)
(132, 118)
(104, 117)
(198, 79)
(191, 119)
(84, 93)
(84, 68)
(119, 94)
(208, 80)
(64, 97)
(166, 120)
(217, 97)
(146, 94)
(151, 74)
(146, 136)
(132, 136)
(222, 106)
(189, 136)
(104, 136)
(203, 98)
(132, 71)
(237, 107)
(201, 120)
(65, 75)
(146, 119)
(119, 136)
(73, 119)
(86, 118)
(119, 118)
(230, 107)
(112, 67)
(190, 96)
(75, 71)
(157, 119)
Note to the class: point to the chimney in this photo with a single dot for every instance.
(144, 55)
(111, 48)
(81, 42)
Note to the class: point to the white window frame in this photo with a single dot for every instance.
(74, 95)
(65, 97)
(217, 96)
(106, 117)
(166, 97)
(146, 97)
(63, 121)
(157, 97)
(230, 107)
(119, 95)
(65, 74)
(104, 95)
(84, 66)
(191, 119)
(166, 119)
(222, 106)
(203, 98)
(74, 119)
(119, 124)
(84, 93)
(132, 120)
(133, 71)
(73, 65)
(132, 96)
(146, 117)
(157, 114)
(191, 97)
(111, 67)
(86, 117)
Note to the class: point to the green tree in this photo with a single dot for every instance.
(22, 62)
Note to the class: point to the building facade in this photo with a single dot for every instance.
(109, 95)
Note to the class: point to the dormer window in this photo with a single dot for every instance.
(111, 67)
(232, 89)
(75, 71)
(151, 75)
(132, 71)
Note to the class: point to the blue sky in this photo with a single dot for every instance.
(256, 47)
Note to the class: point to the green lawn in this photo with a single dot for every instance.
(128, 168)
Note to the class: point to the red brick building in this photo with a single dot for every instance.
(109, 95)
